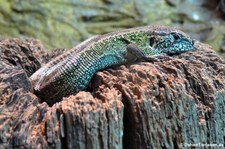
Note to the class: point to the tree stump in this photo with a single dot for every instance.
(176, 103)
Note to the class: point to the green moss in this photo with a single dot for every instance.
(65, 23)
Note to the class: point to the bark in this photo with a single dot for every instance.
(168, 104)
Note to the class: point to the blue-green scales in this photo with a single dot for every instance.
(72, 71)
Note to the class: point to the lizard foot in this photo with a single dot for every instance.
(157, 58)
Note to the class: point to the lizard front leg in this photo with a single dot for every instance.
(136, 54)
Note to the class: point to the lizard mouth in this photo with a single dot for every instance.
(181, 46)
(175, 45)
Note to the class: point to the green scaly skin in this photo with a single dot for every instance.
(71, 72)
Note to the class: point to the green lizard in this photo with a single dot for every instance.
(71, 72)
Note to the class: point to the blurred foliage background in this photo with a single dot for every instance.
(64, 23)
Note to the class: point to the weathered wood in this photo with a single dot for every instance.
(168, 104)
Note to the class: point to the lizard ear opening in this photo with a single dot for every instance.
(151, 41)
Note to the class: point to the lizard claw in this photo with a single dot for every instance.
(152, 59)
(157, 58)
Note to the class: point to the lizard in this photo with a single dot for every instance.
(72, 71)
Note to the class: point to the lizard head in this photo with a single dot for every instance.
(170, 41)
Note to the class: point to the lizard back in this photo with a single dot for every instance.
(72, 72)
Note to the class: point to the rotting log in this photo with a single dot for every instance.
(169, 104)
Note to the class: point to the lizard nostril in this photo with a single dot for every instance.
(193, 42)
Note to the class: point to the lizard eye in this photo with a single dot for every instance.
(151, 41)
(175, 36)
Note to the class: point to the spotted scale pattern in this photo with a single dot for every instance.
(72, 73)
